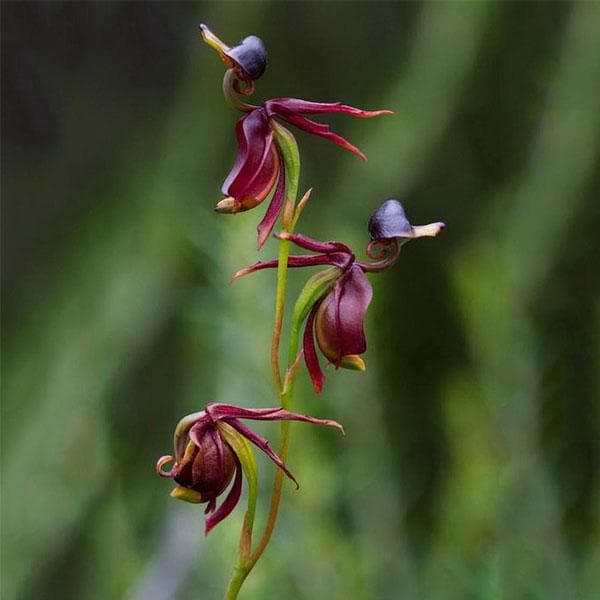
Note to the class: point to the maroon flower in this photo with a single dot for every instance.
(205, 463)
(258, 168)
(337, 318)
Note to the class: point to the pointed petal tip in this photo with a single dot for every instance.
(430, 230)
(226, 206)
(318, 385)
(353, 362)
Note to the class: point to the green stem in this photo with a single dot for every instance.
(246, 558)
(239, 576)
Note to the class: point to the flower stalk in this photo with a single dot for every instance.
(214, 448)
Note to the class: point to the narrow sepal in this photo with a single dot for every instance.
(262, 444)
(229, 503)
(265, 227)
(310, 353)
(308, 107)
(220, 412)
(180, 440)
(303, 241)
(320, 129)
(293, 262)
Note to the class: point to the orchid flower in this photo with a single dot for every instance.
(258, 169)
(337, 316)
(205, 461)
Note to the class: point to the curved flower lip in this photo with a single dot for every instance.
(257, 170)
(191, 430)
(248, 57)
(389, 221)
(337, 320)
(256, 167)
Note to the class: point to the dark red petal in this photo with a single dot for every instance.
(310, 108)
(229, 503)
(293, 262)
(319, 129)
(261, 443)
(310, 353)
(229, 411)
(197, 431)
(355, 293)
(314, 245)
(255, 159)
(210, 507)
(265, 227)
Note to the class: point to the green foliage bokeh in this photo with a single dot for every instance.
(470, 469)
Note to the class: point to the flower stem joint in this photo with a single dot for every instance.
(205, 460)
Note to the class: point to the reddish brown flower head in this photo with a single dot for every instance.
(205, 463)
(337, 317)
(258, 168)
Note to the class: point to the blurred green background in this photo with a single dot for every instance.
(470, 469)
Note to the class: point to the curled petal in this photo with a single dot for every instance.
(163, 460)
(310, 353)
(384, 252)
(229, 503)
(182, 430)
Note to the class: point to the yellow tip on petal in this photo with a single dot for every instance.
(353, 362)
(227, 206)
(182, 493)
(430, 230)
(214, 42)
